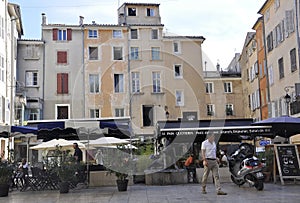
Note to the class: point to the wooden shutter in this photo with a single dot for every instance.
(59, 83)
(62, 57)
(54, 33)
(65, 83)
(69, 34)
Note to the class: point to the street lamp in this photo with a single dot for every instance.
(287, 98)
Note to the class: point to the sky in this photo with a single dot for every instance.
(223, 23)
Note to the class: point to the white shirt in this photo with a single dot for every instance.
(210, 149)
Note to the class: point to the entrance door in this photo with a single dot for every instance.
(147, 115)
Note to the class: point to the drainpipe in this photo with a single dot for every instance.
(44, 58)
(297, 31)
(83, 66)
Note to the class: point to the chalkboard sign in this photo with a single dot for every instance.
(287, 160)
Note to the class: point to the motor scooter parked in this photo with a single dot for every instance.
(246, 168)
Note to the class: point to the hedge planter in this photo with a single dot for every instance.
(64, 187)
(122, 185)
(4, 188)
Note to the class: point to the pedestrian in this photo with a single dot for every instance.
(77, 153)
(210, 163)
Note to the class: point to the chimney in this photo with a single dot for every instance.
(81, 20)
(44, 19)
(94, 22)
(218, 67)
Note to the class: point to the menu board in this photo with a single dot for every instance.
(287, 160)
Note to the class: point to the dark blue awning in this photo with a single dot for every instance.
(24, 129)
(51, 125)
(114, 125)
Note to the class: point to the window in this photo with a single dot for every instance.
(135, 82)
(62, 111)
(133, 33)
(270, 42)
(150, 12)
(267, 15)
(93, 53)
(289, 19)
(209, 87)
(179, 98)
(32, 52)
(34, 114)
(2, 27)
(62, 83)
(62, 34)
(227, 87)
(271, 75)
(277, 4)
(94, 83)
(119, 112)
(156, 82)
(134, 53)
(31, 78)
(93, 33)
(148, 115)
(94, 113)
(119, 83)
(178, 71)
(229, 109)
(118, 53)
(2, 70)
(210, 109)
(278, 34)
(154, 34)
(131, 11)
(293, 60)
(155, 51)
(62, 57)
(117, 33)
(281, 68)
(176, 47)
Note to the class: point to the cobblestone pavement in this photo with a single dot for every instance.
(163, 194)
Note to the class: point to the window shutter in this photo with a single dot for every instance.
(69, 34)
(54, 33)
(59, 83)
(65, 83)
(61, 57)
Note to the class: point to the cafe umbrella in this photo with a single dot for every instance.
(284, 126)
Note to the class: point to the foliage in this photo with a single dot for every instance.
(118, 162)
(143, 163)
(64, 165)
(6, 171)
(268, 156)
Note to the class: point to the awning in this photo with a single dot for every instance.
(118, 129)
(51, 125)
(24, 129)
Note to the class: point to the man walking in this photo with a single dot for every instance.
(210, 163)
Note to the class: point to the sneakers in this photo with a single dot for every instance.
(220, 192)
(203, 190)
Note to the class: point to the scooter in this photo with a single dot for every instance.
(246, 168)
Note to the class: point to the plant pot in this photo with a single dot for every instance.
(267, 176)
(139, 179)
(4, 188)
(64, 187)
(122, 185)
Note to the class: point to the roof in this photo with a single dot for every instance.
(263, 7)
(139, 4)
(188, 37)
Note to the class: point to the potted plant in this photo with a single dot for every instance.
(6, 172)
(267, 158)
(120, 164)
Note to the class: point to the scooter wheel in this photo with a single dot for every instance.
(259, 185)
(237, 182)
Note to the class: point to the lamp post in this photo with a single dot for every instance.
(287, 98)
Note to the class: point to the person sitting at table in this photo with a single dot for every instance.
(22, 173)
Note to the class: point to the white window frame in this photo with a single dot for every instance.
(92, 34)
(95, 78)
(152, 14)
(180, 76)
(34, 114)
(156, 82)
(210, 108)
(134, 53)
(62, 35)
(155, 53)
(113, 54)
(178, 51)
(136, 11)
(93, 113)
(62, 105)
(93, 59)
(31, 77)
(32, 51)
(119, 112)
(271, 75)
(135, 82)
(209, 87)
(231, 106)
(120, 84)
(2, 69)
(137, 34)
(179, 97)
(227, 86)
(117, 36)
(157, 34)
